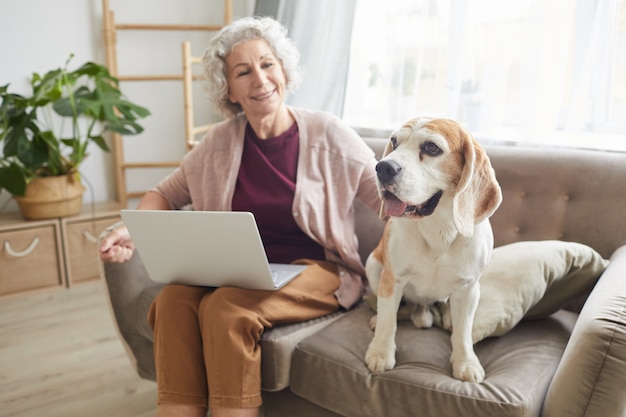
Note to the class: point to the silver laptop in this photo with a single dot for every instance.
(206, 248)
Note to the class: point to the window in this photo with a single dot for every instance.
(543, 71)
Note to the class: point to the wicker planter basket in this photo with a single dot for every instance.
(50, 197)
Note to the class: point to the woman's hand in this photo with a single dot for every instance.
(117, 246)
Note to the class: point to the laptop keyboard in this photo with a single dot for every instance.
(279, 276)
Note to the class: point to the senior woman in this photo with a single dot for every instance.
(299, 172)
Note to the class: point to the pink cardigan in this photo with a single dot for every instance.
(335, 167)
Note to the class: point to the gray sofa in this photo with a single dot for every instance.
(570, 364)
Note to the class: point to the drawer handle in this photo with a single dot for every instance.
(90, 237)
(25, 252)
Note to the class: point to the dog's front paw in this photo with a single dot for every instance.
(467, 368)
(379, 358)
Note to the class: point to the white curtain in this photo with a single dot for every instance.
(594, 28)
(321, 29)
(523, 70)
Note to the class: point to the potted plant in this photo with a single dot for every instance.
(34, 155)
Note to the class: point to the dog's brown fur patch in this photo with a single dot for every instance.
(387, 280)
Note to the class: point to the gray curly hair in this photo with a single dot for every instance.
(240, 30)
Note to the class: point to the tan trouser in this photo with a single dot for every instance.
(206, 340)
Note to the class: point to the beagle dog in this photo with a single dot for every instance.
(438, 189)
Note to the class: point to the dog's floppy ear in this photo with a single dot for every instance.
(478, 194)
(388, 149)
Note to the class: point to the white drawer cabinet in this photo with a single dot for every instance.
(80, 236)
(39, 254)
(30, 256)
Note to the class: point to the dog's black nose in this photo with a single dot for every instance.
(387, 170)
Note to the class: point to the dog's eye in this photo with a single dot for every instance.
(431, 149)
(394, 143)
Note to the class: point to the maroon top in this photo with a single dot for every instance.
(265, 186)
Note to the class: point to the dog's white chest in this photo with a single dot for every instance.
(427, 270)
(426, 280)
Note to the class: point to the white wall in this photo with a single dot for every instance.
(38, 35)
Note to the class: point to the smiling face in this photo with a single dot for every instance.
(256, 79)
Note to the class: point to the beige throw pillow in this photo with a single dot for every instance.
(531, 279)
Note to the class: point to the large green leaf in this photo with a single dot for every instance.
(71, 107)
(55, 163)
(99, 140)
(125, 127)
(21, 129)
(12, 179)
(36, 153)
(96, 72)
(117, 114)
(127, 108)
(47, 88)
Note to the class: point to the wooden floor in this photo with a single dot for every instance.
(60, 356)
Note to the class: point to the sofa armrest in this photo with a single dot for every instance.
(130, 292)
(591, 376)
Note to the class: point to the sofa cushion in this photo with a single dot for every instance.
(277, 346)
(329, 370)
